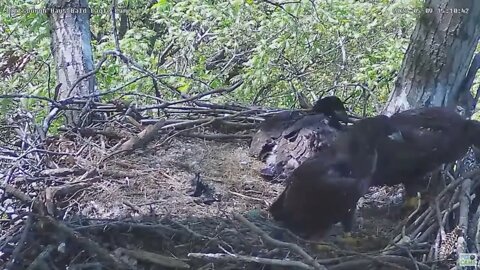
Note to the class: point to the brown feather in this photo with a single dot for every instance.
(287, 140)
(432, 137)
(325, 188)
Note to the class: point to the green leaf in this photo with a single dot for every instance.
(216, 83)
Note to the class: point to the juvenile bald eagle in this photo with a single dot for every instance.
(432, 136)
(287, 139)
(325, 189)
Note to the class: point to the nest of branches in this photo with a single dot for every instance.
(120, 194)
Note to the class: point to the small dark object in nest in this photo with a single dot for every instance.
(432, 137)
(325, 189)
(203, 190)
(287, 139)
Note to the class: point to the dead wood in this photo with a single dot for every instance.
(40, 261)
(87, 244)
(61, 172)
(66, 203)
(137, 141)
(241, 258)
(156, 258)
(143, 138)
(17, 252)
(396, 262)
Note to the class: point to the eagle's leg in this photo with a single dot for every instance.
(414, 193)
(347, 223)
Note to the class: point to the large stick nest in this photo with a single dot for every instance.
(183, 193)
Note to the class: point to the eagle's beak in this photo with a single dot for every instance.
(342, 116)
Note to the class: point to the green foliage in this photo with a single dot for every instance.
(309, 46)
(297, 45)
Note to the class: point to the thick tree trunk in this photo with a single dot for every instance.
(434, 70)
(72, 51)
(439, 54)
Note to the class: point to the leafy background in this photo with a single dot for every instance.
(349, 48)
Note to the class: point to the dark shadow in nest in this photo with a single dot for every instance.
(201, 189)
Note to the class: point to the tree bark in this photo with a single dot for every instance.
(439, 54)
(72, 51)
(434, 69)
